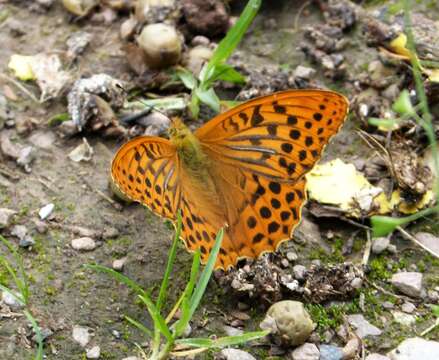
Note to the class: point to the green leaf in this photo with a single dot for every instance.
(435, 310)
(205, 275)
(171, 258)
(226, 72)
(384, 225)
(118, 276)
(403, 104)
(187, 78)
(209, 98)
(223, 341)
(194, 105)
(227, 45)
(159, 321)
(138, 325)
(58, 119)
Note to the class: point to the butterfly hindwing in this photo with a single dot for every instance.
(261, 151)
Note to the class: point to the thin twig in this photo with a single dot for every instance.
(387, 292)
(299, 13)
(416, 241)
(21, 87)
(366, 254)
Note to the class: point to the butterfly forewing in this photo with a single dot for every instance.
(146, 170)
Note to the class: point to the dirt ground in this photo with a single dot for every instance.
(65, 294)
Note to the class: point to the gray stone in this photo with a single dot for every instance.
(380, 244)
(299, 272)
(11, 301)
(93, 353)
(118, 264)
(84, 244)
(81, 335)
(403, 319)
(304, 72)
(307, 351)
(289, 321)
(408, 307)
(235, 354)
(307, 232)
(330, 352)
(429, 241)
(6, 216)
(415, 349)
(292, 256)
(232, 331)
(351, 349)
(26, 242)
(363, 328)
(409, 283)
(42, 139)
(376, 357)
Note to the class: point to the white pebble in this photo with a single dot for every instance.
(119, 263)
(84, 244)
(81, 335)
(94, 352)
(45, 211)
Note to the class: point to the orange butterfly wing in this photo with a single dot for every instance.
(261, 151)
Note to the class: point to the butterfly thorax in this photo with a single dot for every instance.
(188, 147)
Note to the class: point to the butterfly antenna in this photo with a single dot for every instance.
(134, 117)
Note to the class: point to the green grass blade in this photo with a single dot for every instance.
(21, 283)
(118, 276)
(138, 325)
(226, 73)
(171, 258)
(223, 341)
(205, 275)
(39, 355)
(159, 321)
(233, 37)
(181, 324)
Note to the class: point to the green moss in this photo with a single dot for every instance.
(378, 269)
(334, 257)
(4, 276)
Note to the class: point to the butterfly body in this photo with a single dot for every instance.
(243, 170)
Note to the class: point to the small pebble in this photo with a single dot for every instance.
(110, 232)
(284, 263)
(81, 335)
(350, 350)
(235, 354)
(45, 211)
(93, 353)
(357, 283)
(11, 301)
(388, 305)
(299, 272)
(307, 351)
(380, 244)
(232, 331)
(292, 256)
(330, 352)
(6, 216)
(83, 244)
(408, 307)
(408, 283)
(118, 264)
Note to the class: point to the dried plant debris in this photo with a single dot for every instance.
(332, 282)
(265, 280)
(91, 105)
(45, 69)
